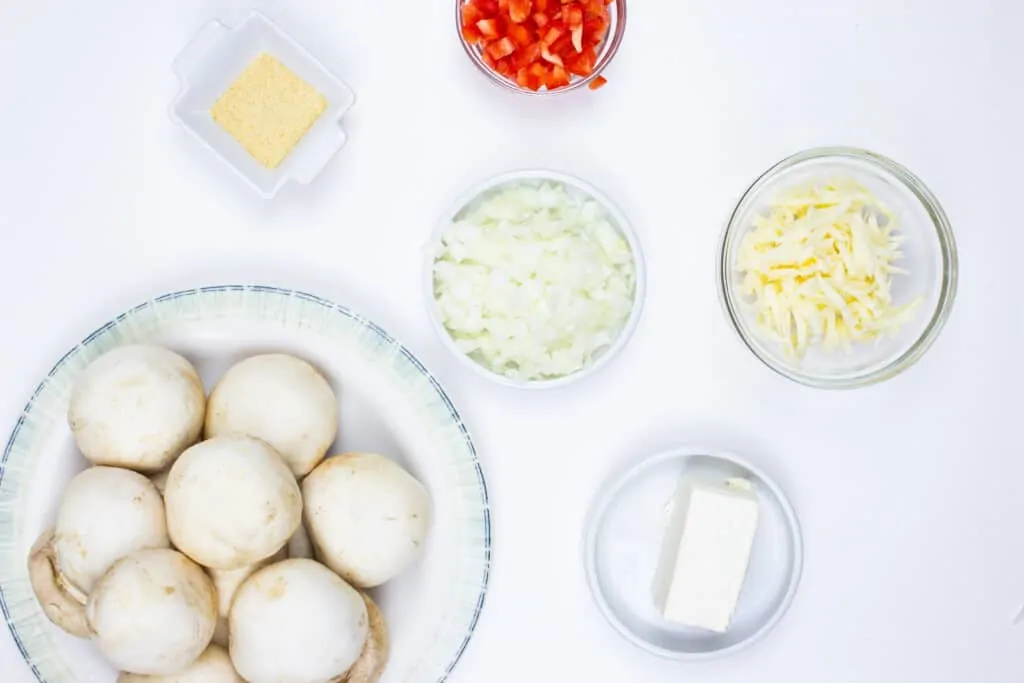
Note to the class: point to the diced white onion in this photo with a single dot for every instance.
(533, 283)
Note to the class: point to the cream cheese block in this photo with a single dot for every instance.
(705, 552)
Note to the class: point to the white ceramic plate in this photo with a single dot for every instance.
(389, 404)
(623, 540)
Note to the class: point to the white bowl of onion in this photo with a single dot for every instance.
(534, 279)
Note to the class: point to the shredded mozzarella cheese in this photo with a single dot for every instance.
(818, 267)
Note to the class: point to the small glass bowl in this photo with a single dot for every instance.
(575, 187)
(617, 26)
(930, 257)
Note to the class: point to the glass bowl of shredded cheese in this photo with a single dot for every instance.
(838, 268)
(534, 279)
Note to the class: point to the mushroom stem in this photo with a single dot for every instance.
(52, 590)
(370, 666)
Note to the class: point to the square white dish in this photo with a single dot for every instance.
(210, 63)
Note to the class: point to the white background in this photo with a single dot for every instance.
(909, 492)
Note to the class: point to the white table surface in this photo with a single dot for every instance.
(909, 492)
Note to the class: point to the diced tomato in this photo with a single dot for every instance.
(573, 15)
(597, 82)
(489, 28)
(519, 10)
(577, 38)
(488, 8)
(526, 56)
(558, 78)
(520, 35)
(562, 46)
(537, 43)
(471, 14)
(595, 28)
(551, 35)
(504, 67)
(501, 48)
(583, 63)
(471, 34)
(546, 55)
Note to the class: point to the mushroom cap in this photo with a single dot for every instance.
(231, 502)
(137, 406)
(374, 658)
(280, 399)
(59, 605)
(296, 621)
(153, 612)
(213, 666)
(227, 582)
(105, 514)
(366, 515)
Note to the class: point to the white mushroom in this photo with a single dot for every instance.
(213, 666)
(374, 658)
(57, 602)
(105, 514)
(138, 407)
(227, 581)
(153, 613)
(231, 502)
(297, 622)
(281, 399)
(366, 515)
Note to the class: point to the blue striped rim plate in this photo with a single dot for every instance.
(390, 404)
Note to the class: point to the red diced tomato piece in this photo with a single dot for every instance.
(583, 64)
(577, 38)
(504, 67)
(558, 78)
(488, 60)
(563, 46)
(595, 28)
(503, 6)
(573, 15)
(541, 5)
(488, 8)
(471, 14)
(490, 28)
(552, 35)
(526, 56)
(471, 34)
(539, 73)
(597, 82)
(595, 8)
(546, 55)
(519, 10)
(540, 20)
(501, 48)
(526, 80)
(520, 35)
